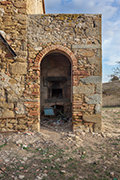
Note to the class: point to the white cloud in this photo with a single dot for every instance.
(111, 42)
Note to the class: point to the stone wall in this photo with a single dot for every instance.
(13, 27)
(78, 35)
(33, 37)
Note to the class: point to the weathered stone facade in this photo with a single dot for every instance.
(35, 7)
(13, 27)
(76, 39)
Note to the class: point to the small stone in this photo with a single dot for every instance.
(24, 146)
(28, 134)
(19, 141)
(63, 171)
(21, 176)
(57, 160)
(50, 156)
(71, 135)
(45, 171)
(104, 167)
(64, 166)
(112, 174)
(22, 162)
(109, 135)
(12, 176)
(83, 133)
(38, 48)
(80, 177)
(62, 133)
(83, 152)
(78, 138)
(25, 159)
(6, 160)
(40, 178)
(44, 175)
(15, 178)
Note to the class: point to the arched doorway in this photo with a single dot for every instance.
(56, 83)
(52, 80)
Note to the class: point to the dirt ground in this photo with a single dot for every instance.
(56, 153)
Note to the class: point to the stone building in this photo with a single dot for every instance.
(48, 60)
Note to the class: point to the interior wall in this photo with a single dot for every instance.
(55, 65)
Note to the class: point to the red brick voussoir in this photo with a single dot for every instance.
(5, 2)
(61, 49)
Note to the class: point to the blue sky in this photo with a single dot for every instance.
(110, 10)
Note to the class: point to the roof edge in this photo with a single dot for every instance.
(8, 46)
(43, 3)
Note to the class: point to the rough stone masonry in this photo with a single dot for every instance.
(34, 38)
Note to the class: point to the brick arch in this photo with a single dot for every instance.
(34, 107)
(63, 50)
(57, 48)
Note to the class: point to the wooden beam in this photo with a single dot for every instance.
(43, 3)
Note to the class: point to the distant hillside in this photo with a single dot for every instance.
(111, 93)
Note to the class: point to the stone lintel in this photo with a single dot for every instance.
(18, 68)
(22, 54)
(92, 118)
(92, 80)
(86, 46)
(83, 89)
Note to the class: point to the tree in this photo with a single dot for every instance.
(116, 73)
(114, 78)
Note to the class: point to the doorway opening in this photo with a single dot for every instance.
(55, 86)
